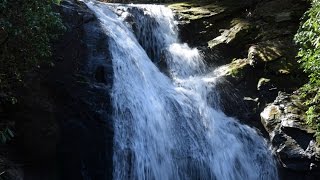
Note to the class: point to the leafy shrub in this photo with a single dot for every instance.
(27, 29)
(308, 38)
(6, 135)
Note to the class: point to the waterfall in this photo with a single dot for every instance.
(167, 123)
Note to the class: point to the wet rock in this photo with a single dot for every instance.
(292, 140)
(81, 84)
(100, 74)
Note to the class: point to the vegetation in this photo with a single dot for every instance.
(308, 38)
(6, 135)
(27, 28)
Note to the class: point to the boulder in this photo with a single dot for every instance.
(292, 140)
(63, 117)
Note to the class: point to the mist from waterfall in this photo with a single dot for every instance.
(167, 123)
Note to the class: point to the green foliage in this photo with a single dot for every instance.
(308, 38)
(6, 135)
(27, 28)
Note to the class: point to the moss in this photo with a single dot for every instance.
(236, 67)
(267, 51)
(196, 10)
(283, 66)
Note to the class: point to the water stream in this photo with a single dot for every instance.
(167, 121)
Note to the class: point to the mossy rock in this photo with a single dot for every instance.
(236, 67)
(189, 11)
(266, 51)
(283, 66)
(196, 10)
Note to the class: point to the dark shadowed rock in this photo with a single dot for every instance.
(63, 116)
(280, 10)
(81, 83)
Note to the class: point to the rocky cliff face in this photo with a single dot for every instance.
(81, 82)
(63, 119)
(252, 44)
(64, 129)
(292, 140)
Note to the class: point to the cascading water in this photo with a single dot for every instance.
(169, 127)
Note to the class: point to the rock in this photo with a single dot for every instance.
(270, 117)
(81, 83)
(280, 10)
(283, 16)
(266, 52)
(10, 171)
(203, 20)
(291, 139)
(252, 39)
(263, 84)
(100, 74)
(237, 33)
(63, 116)
(236, 67)
(255, 55)
(188, 12)
(3, 35)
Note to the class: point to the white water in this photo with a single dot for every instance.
(166, 127)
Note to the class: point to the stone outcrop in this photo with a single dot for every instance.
(253, 47)
(81, 84)
(237, 33)
(63, 116)
(291, 139)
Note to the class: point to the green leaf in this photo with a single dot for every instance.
(10, 132)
